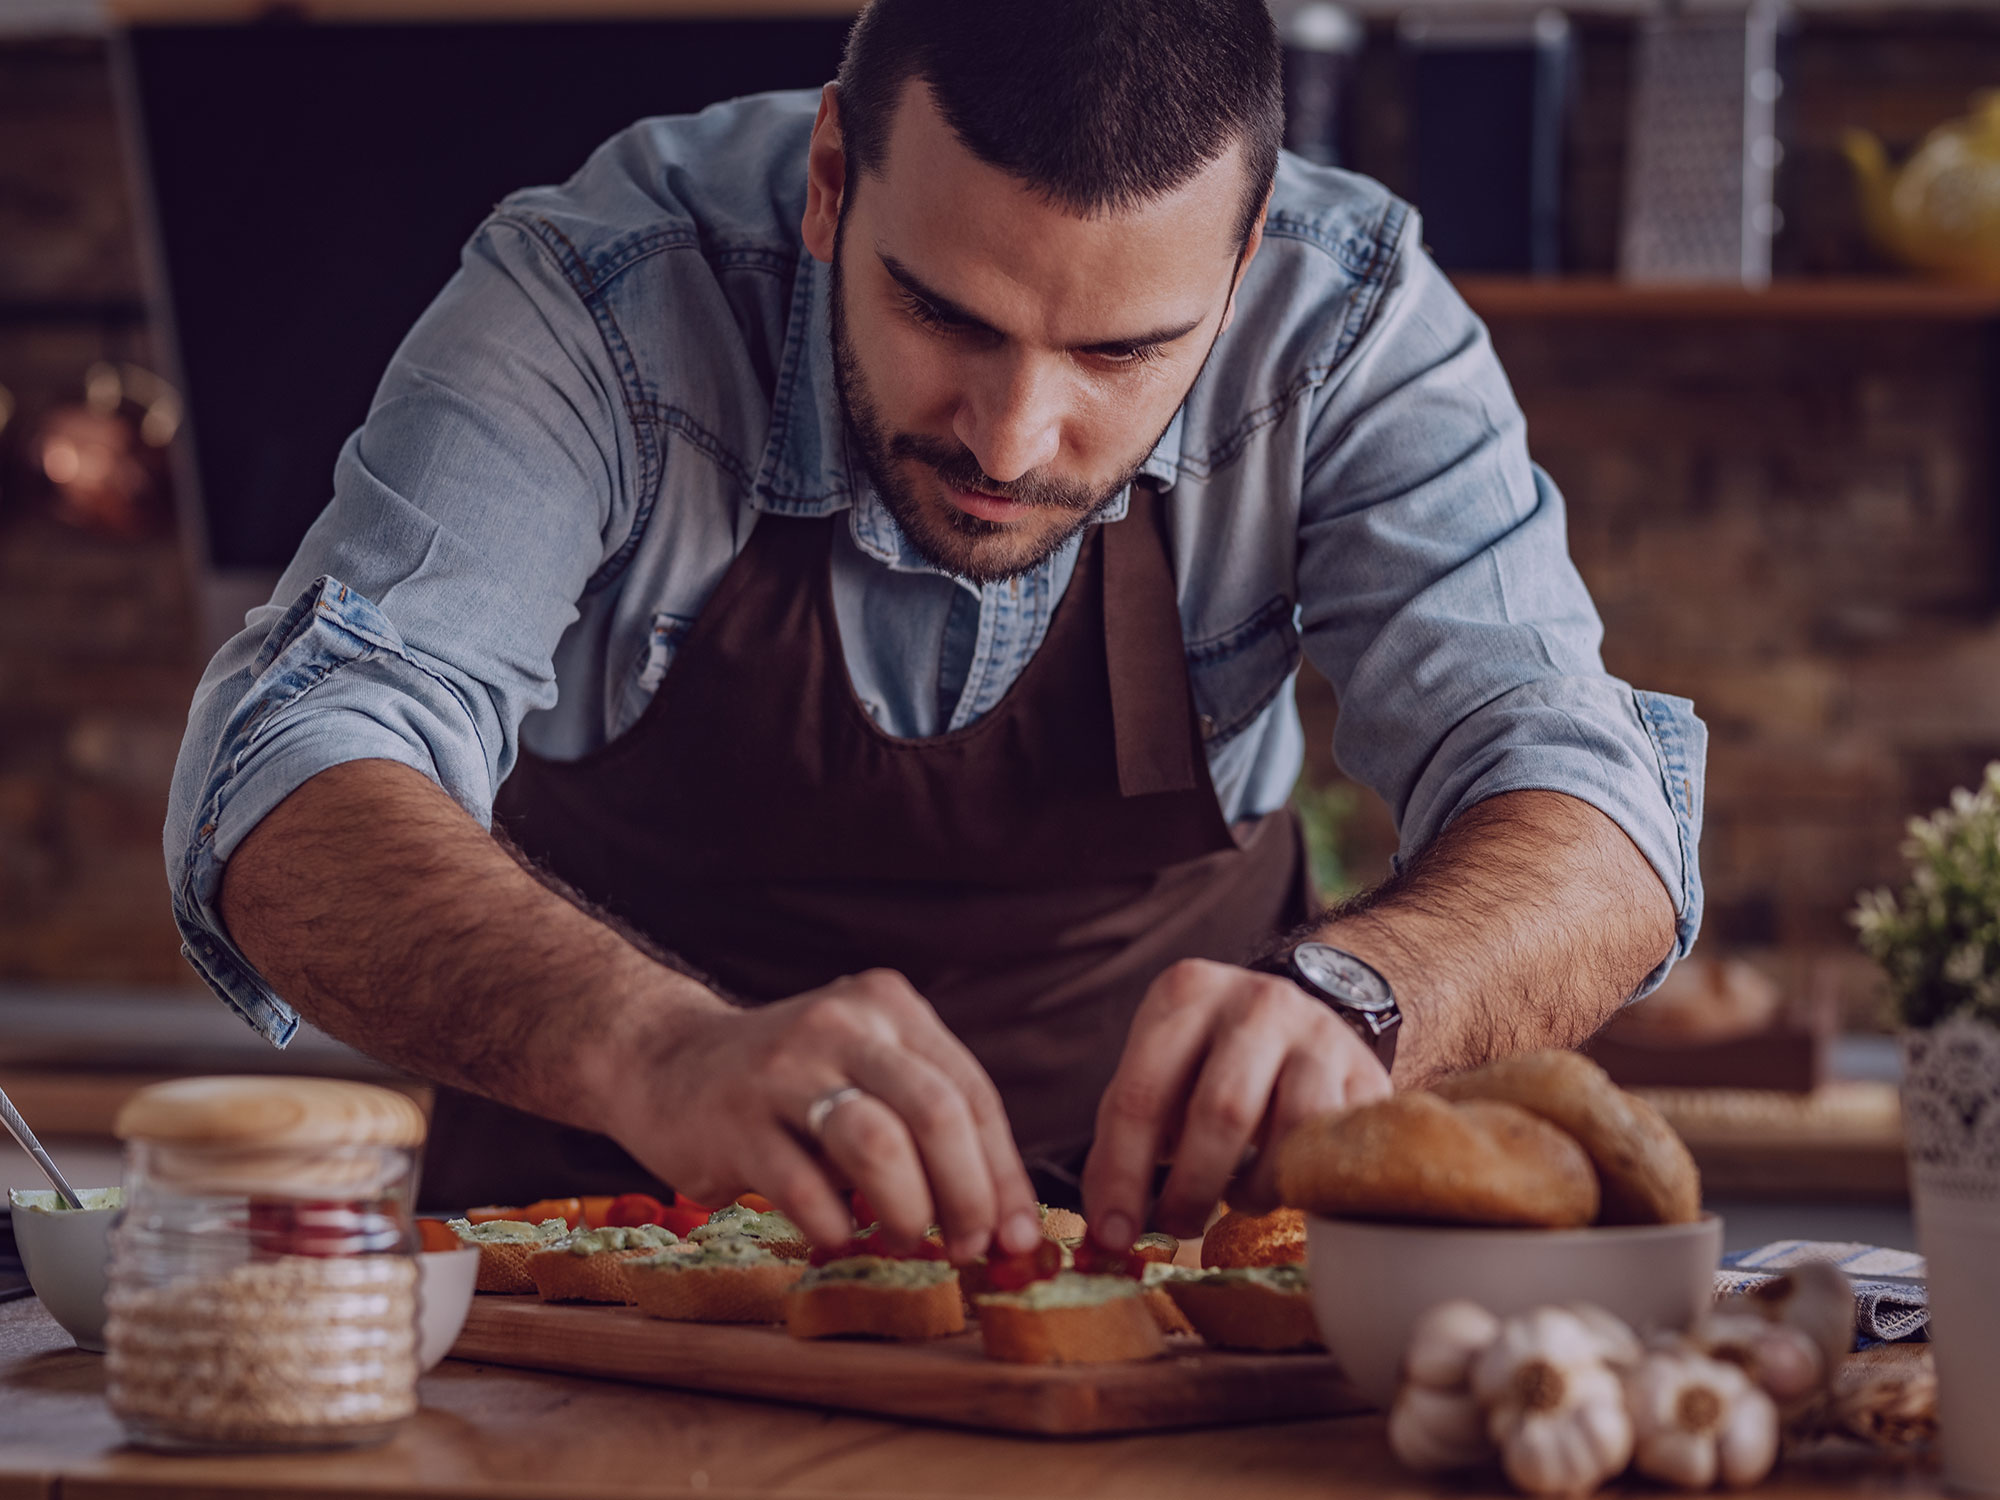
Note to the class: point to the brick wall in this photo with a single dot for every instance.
(96, 640)
(1790, 523)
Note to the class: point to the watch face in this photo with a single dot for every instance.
(1344, 975)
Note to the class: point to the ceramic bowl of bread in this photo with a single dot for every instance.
(1532, 1180)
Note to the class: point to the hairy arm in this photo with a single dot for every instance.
(371, 901)
(1525, 924)
(395, 922)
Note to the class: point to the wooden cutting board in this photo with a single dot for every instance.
(944, 1380)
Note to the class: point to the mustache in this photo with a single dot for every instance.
(956, 465)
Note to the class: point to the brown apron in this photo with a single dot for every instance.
(1029, 874)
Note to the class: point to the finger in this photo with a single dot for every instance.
(1014, 1220)
(939, 1120)
(1231, 1097)
(1308, 1086)
(783, 1171)
(1143, 1101)
(867, 1140)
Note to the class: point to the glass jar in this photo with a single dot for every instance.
(263, 1280)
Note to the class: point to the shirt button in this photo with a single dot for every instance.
(1208, 726)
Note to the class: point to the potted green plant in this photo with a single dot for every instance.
(1938, 940)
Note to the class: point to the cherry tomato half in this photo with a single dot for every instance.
(1092, 1259)
(488, 1214)
(569, 1210)
(1009, 1273)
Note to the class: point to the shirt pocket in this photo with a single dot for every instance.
(1235, 674)
(663, 642)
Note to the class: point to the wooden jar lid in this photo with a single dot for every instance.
(270, 1113)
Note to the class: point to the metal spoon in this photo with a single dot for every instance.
(18, 1128)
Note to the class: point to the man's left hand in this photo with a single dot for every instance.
(1220, 1061)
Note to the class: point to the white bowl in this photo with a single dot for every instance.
(66, 1252)
(1371, 1282)
(444, 1296)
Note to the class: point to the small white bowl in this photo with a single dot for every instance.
(444, 1295)
(1371, 1282)
(66, 1254)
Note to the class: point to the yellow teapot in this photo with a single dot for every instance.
(1941, 212)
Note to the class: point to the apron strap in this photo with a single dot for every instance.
(1152, 711)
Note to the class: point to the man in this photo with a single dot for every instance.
(859, 549)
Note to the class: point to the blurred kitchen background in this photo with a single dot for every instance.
(1768, 389)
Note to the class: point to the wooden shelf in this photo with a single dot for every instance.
(1802, 300)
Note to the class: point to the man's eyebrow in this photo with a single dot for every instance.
(914, 285)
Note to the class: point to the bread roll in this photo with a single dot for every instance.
(1646, 1173)
(1415, 1157)
(1239, 1240)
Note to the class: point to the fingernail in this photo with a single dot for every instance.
(1114, 1232)
(1020, 1234)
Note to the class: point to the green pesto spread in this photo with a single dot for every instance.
(49, 1201)
(619, 1237)
(1159, 1271)
(738, 1222)
(879, 1271)
(1070, 1289)
(715, 1254)
(508, 1231)
(1156, 1241)
(1288, 1279)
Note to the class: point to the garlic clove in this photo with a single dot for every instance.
(1434, 1431)
(1445, 1341)
(1782, 1359)
(1551, 1335)
(1620, 1346)
(1747, 1446)
(1685, 1459)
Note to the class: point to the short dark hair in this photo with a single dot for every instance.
(1099, 104)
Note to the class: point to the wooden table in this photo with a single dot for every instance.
(511, 1434)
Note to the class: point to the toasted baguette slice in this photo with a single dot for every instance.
(503, 1262)
(770, 1231)
(707, 1293)
(1073, 1320)
(1061, 1224)
(1167, 1315)
(1242, 1311)
(870, 1296)
(562, 1277)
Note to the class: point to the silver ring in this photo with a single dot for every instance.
(818, 1111)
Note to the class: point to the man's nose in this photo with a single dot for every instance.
(1011, 419)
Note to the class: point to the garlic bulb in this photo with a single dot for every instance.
(1433, 1431)
(1696, 1420)
(1554, 1409)
(1444, 1343)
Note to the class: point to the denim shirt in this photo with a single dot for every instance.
(578, 436)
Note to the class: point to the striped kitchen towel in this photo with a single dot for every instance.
(1889, 1296)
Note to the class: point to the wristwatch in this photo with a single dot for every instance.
(1354, 988)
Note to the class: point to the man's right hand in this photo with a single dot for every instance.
(927, 1141)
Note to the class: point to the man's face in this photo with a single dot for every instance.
(1005, 365)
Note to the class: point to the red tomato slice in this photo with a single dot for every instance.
(435, 1234)
(489, 1214)
(569, 1210)
(757, 1203)
(1009, 1273)
(630, 1210)
(595, 1208)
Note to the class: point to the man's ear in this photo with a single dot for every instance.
(826, 178)
(1248, 254)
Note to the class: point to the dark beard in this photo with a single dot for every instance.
(950, 539)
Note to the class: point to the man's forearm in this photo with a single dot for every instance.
(1527, 923)
(373, 903)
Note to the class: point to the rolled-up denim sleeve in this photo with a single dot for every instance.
(419, 620)
(1438, 596)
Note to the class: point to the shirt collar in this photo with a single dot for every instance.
(809, 466)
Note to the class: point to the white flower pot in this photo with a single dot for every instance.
(1951, 1123)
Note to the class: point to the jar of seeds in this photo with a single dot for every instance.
(263, 1282)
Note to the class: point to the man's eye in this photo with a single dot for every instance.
(926, 314)
(1128, 354)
